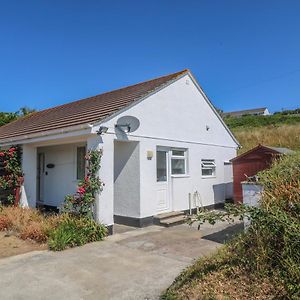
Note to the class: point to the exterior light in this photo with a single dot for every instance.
(102, 129)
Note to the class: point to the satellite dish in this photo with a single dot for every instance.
(128, 124)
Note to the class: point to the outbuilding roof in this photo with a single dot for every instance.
(85, 111)
(266, 149)
(281, 150)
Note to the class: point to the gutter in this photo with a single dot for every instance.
(49, 133)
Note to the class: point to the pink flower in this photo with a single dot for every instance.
(2, 154)
(12, 150)
(81, 190)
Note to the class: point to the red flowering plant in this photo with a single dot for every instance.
(10, 172)
(83, 201)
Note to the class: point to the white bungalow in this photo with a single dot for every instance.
(162, 141)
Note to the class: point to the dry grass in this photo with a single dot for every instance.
(277, 136)
(27, 223)
(11, 245)
(235, 285)
(221, 276)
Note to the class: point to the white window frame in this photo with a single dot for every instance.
(208, 164)
(184, 158)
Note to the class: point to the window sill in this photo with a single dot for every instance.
(207, 177)
(180, 176)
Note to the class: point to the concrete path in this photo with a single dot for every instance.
(132, 264)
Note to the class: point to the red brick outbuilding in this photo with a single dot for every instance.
(250, 163)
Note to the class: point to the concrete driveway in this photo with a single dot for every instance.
(132, 264)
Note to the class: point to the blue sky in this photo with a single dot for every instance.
(244, 53)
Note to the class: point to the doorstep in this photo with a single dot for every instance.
(170, 219)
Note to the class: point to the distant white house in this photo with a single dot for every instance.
(162, 139)
(254, 112)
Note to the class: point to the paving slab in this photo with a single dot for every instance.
(133, 264)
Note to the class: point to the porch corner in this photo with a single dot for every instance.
(104, 201)
(29, 168)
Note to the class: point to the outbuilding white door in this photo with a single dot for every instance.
(163, 179)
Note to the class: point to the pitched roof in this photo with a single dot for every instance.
(85, 111)
(281, 150)
(245, 112)
(266, 149)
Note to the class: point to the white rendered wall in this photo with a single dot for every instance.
(60, 180)
(29, 167)
(179, 116)
(178, 112)
(127, 179)
(228, 179)
(105, 201)
(211, 190)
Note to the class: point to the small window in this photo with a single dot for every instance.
(178, 162)
(178, 152)
(80, 163)
(208, 167)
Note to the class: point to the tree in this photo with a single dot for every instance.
(7, 117)
(24, 111)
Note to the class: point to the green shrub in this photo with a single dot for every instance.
(282, 185)
(271, 246)
(75, 231)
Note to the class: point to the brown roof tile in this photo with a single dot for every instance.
(84, 111)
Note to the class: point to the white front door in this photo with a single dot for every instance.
(162, 173)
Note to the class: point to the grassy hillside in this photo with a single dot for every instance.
(279, 130)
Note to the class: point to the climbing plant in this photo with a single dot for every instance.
(10, 172)
(83, 201)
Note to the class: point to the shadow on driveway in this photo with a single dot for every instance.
(225, 234)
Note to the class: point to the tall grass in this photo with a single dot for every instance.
(277, 136)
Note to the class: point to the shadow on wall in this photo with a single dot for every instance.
(226, 234)
(222, 192)
(219, 193)
(126, 179)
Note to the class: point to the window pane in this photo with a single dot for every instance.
(208, 164)
(178, 166)
(80, 162)
(161, 165)
(178, 152)
(207, 172)
(208, 167)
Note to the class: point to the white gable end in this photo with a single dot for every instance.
(178, 112)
